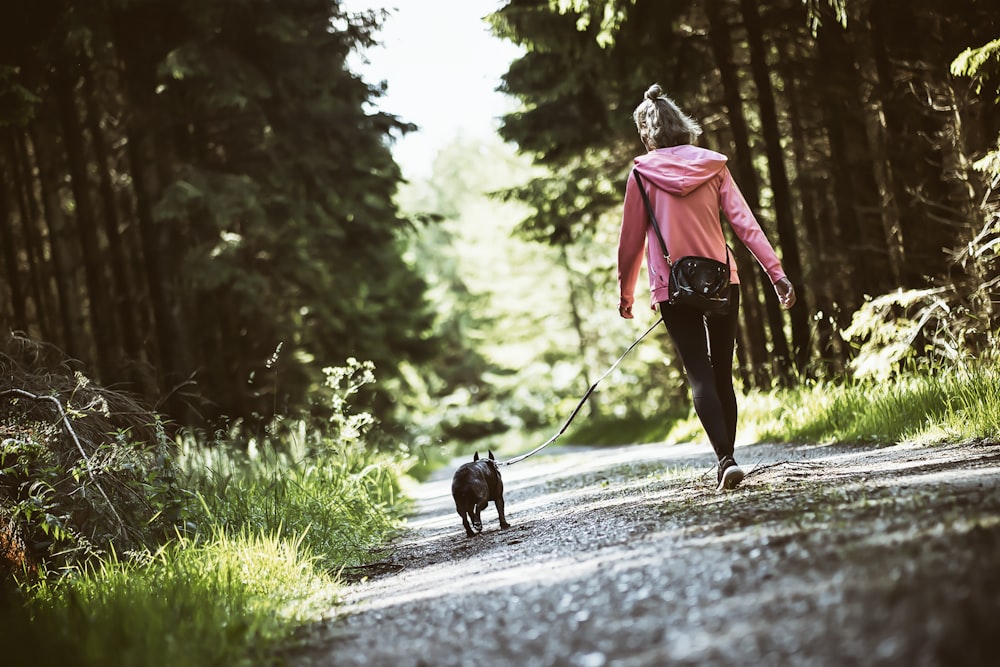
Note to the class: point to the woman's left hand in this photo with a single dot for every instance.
(625, 309)
(786, 293)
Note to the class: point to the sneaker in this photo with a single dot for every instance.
(730, 474)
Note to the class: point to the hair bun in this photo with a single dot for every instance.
(654, 92)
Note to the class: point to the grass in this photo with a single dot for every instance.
(637, 429)
(948, 406)
(937, 405)
(230, 600)
(256, 535)
(266, 536)
(343, 499)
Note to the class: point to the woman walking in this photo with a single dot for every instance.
(687, 186)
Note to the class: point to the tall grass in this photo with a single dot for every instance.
(265, 538)
(229, 600)
(343, 499)
(954, 405)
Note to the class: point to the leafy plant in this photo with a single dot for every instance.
(84, 471)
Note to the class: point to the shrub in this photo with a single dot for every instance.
(83, 470)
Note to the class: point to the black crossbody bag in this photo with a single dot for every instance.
(698, 282)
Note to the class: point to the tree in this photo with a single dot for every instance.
(232, 201)
(863, 179)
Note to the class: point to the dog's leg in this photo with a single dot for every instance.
(499, 505)
(465, 522)
(477, 517)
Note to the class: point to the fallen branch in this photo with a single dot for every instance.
(69, 429)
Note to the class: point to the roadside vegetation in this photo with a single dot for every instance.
(124, 546)
(943, 405)
(952, 405)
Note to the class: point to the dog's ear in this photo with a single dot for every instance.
(491, 455)
(476, 457)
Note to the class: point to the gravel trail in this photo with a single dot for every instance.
(628, 557)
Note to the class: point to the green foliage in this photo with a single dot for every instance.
(568, 205)
(614, 431)
(248, 193)
(78, 483)
(818, 9)
(481, 282)
(609, 15)
(319, 481)
(584, 71)
(894, 330)
(268, 525)
(951, 403)
(990, 164)
(982, 64)
(18, 103)
(341, 503)
(230, 600)
(287, 184)
(947, 403)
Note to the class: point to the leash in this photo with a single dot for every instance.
(518, 459)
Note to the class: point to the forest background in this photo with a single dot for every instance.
(206, 241)
(200, 207)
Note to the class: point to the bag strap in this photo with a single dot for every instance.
(656, 227)
(652, 218)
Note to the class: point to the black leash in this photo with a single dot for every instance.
(583, 400)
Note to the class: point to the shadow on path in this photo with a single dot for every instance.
(628, 556)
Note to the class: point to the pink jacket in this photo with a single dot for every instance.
(687, 186)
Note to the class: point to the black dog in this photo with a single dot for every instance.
(473, 487)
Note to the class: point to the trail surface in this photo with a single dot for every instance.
(628, 557)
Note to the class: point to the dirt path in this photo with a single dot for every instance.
(629, 557)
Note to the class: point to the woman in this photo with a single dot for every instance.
(687, 186)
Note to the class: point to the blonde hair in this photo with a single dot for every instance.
(661, 123)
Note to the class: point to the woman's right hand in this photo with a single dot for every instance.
(786, 293)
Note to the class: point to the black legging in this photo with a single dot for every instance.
(708, 362)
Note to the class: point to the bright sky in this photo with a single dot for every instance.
(442, 66)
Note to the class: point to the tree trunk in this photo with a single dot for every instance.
(102, 322)
(822, 268)
(63, 267)
(781, 191)
(856, 195)
(18, 303)
(34, 245)
(868, 48)
(577, 320)
(144, 178)
(754, 281)
(123, 295)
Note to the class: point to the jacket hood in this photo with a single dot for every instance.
(680, 169)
